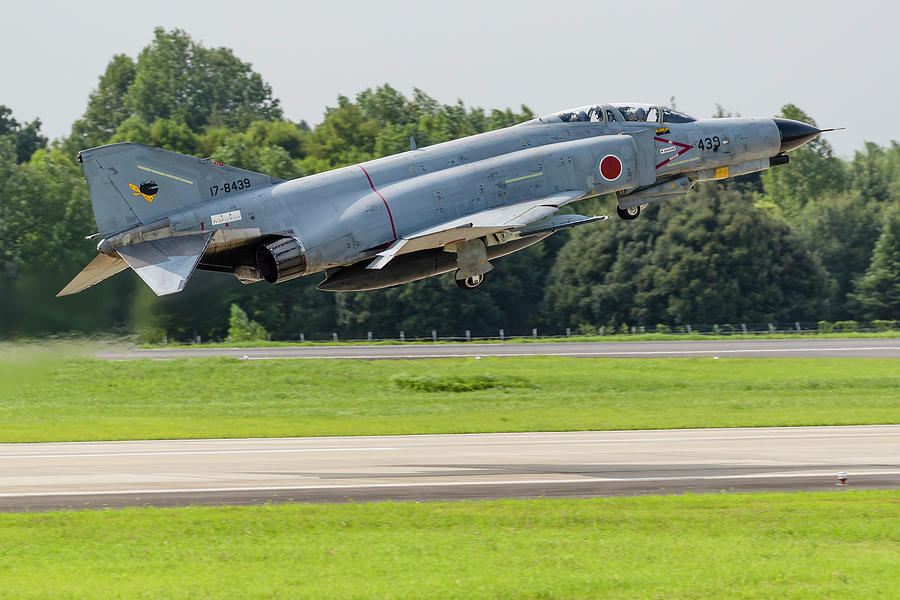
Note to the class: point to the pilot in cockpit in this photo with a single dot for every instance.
(632, 113)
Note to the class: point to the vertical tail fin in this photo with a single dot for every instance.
(132, 184)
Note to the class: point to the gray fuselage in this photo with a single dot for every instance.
(348, 214)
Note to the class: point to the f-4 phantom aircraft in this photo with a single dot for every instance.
(452, 206)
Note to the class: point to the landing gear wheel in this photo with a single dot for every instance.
(471, 283)
(628, 214)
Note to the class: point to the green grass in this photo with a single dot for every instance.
(456, 383)
(826, 545)
(52, 397)
(636, 337)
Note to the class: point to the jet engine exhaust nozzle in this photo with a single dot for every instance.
(794, 133)
(281, 260)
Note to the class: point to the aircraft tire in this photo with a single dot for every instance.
(628, 214)
(471, 283)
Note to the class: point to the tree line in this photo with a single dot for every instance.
(818, 239)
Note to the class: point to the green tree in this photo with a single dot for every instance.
(133, 129)
(841, 232)
(242, 329)
(106, 108)
(44, 214)
(176, 78)
(878, 291)
(709, 258)
(237, 150)
(813, 172)
(27, 139)
(289, 136)
(162, 133)
(345, 137)
(385, 105)
(276, 161)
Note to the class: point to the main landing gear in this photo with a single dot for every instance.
(472, 260)
(628, 214)
(472, 282)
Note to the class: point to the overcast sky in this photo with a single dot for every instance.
(836, 60)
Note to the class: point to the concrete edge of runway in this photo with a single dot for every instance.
(448, 467)
(442, 492)
(741, 348)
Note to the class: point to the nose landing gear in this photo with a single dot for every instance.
(628, 214)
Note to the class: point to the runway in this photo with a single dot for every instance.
(824, 348)
(445, 467)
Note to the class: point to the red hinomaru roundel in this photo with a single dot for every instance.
(610, 167)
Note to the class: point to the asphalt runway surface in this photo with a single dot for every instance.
(78, 475)
(831, 348)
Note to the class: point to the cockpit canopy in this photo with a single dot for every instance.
(618, 112)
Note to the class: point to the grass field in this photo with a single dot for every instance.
(827, 545)
(53, 397)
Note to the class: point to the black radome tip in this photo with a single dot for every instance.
(794, 133)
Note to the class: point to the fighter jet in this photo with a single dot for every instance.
(452, 206)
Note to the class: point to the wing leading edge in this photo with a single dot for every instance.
(476, 225)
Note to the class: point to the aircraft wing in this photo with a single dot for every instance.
(476, 225)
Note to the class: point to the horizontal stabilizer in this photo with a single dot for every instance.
(166, 264)
(97, 270)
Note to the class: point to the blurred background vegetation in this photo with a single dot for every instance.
(816, 240)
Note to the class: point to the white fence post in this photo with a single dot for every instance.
(534, 333)
(771, 328)
(369, 336)
(302, 337)
(334, 336)
(744, 328)
(568, 332)
(402, 336)
(501, 335)
(434, 335)
(688, 326)
(797, 323)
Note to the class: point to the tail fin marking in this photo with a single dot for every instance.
(131, 184)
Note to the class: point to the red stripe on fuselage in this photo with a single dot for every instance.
(372, 185)
(684, 148)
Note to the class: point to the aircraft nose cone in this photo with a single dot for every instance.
(794, 133)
